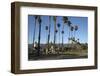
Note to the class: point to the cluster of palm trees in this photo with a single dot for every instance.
(71, 28)
(66, 22)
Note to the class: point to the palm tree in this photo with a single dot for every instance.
(46, 28)
(75, 28)
(54, 18)
(39, 21)
(49, 31)
(56, 31)
(72, 29)
(62, 36)
(34, 29)
(69, 26)
(65, 21)
(78, 40)
(59, 32)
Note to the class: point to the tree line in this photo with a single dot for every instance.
(66, 22)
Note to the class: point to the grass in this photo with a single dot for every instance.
(67, 54)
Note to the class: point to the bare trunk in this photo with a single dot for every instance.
(59, 37)
(54, 32)
(38, 53)
(34, 33)
(49, 31)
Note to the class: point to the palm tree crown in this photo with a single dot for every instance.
(46, 27)
(36, 17)
(56, 30)
(76, 28)
(72, 28)
(69, 23)
(39, 20)
(65, 19)
(62, 31)
(58, 25)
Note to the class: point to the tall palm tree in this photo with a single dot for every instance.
(34, 29)
(49, 31)
(75, 28)
(62, 32)
(72, 29)
(65, 21)
(56, 31)
(78, 40)
(39, 21)
(69, 26)
(46, 28)
(55, 20)
(59, 32)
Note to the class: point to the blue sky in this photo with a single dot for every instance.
(81, 33)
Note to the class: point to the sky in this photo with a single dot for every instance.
(81, 33)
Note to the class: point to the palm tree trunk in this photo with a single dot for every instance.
(59, 37)
(38, 53)
(62, 40)
(54, 32)
(34, 33)
(46, 37)
(74, 34)
(69, 35)
(49, 31)
(62, 35)
(54, 35)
